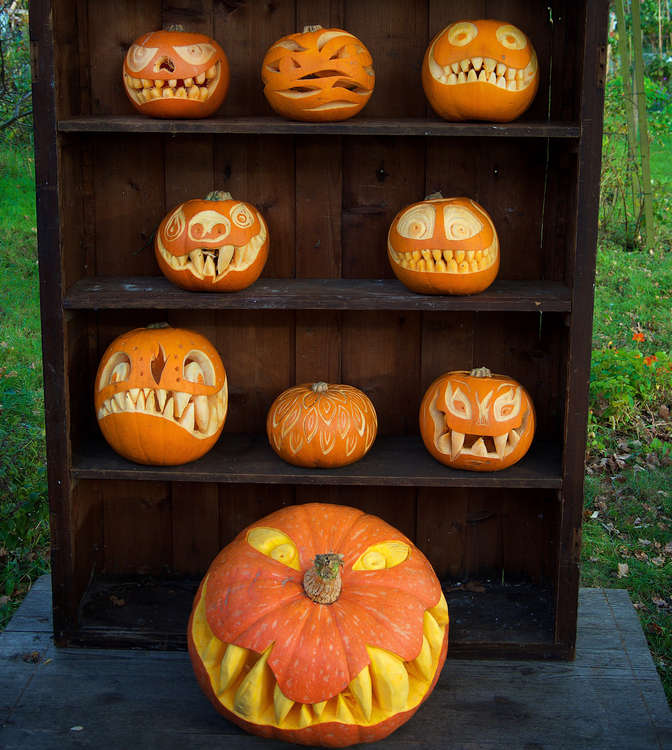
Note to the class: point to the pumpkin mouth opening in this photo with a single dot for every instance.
(454, 443)
(445, 261)
(198, 414)
(199, 88)
(244, 683)
(484, 70)
(214, 263)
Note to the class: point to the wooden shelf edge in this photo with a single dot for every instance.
(358, 126)
(149, 292)
(392, 462)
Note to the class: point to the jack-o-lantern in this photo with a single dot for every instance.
(476, 420)
(444, 246)
(215, 244)
(480, 70)
(174, 73)
(319, 75)
(321, 425)
(319, 625)
(161, 395)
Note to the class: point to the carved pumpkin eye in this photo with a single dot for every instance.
(198, 368)
(511, 37)
(209, 225)
(138, 57)
(460, 223)
(458, 403)
(175, 225)
(242, 216)
(274, 544)
(507, 405)
(462, 33)
(196, 54)
(417, 223)
(383, 555)
(117, 370)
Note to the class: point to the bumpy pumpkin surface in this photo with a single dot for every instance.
(279, 663)
(444, 246)
(175, 73)
(480, 70)
(161, 395)
(476, 420)
(321, 425)
(319, 75)
(215, 244)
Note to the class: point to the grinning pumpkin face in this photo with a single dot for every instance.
(444, 246)
(476, 420)
(319, 624)
(175, 73)
(319, 75)
(215, 244)
(480, 70)
(161, 395)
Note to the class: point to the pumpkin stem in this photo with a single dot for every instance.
(218, 195)
(322, 582)
(308, 29)
(162, 324)
(481, 372)
(319, 387)
(434, 196)
(173, 27)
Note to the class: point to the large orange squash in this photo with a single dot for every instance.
(161, 395)
(174, 73)
(480, 70)
(321, 425)
(444, 246)
(319, 625)
(476, 420)
(319, 75)
(213, 244)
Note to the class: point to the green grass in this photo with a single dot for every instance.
(24, 533)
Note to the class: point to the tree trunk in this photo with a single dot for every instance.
(640, 97)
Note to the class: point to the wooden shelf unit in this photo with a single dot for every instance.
(327, 306)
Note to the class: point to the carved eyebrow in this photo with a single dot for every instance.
(506, 385)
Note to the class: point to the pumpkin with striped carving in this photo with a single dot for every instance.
(266, 633)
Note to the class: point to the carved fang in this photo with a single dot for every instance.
(250, 697)
(232, 665)
(432, 631)
(500, 444)
(362, 689)
(390, 679)
(423, 661)
(456, 443)
(319, 707)
(440, 611)
(479, 449)
(281, 703)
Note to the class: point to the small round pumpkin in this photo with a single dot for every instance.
(319, 75)
(320, 625)
(214, 244)
(321, 425)
(476, 420)
(444, 246)
(175, 73)
(161, 395)
(480, 70)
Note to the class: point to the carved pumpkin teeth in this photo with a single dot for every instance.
(501, 82)
(150, 402)
(472, 77)
(500, 444)
(477, 63)
(465, 65)
(389, 678)
(232, 665)
(225, 256)
(209, 267)
(501, 69)
(482, 77)
(456, 443)
(134, 394)
(423, 661)
(489, 64)
(161, 396)
(120, 400)
(168, 409)
(252, 694)
(514, 437)
(212, 71)
(181, 401)
(362, 689)
(461, 78)
(455, 67)
(202, 412)
(200, 78)
(281, 704)
(196, 258)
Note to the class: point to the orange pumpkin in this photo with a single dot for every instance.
(214, 244)
(161, 395)
(480, 70)
(444, 246)
(319, 625)
(476, 420)
(321, 425)
(174, 73)
(319, 75)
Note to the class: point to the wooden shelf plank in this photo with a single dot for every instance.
(149, 292)
(393, 461)
(358, 126)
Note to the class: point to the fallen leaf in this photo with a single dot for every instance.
(623, 570)
(668, 548)
(658, 601)
(654, 627)
(638, 605)
(644, 542)
(641, 555)
(595, 514)
(117, 601)
(658, 561)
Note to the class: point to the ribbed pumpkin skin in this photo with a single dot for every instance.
(153, 361)
(262, 600)
(322, 429)
(318, 76)
(479, 100)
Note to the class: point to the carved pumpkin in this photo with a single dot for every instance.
(319, 624)
(480, 70)
(444, 246)
(321, 425)
(476, 420)
(215, 244)
(320, 75)
(174, 73)
(161, 395)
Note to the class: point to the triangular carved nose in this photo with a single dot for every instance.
(158, 364)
